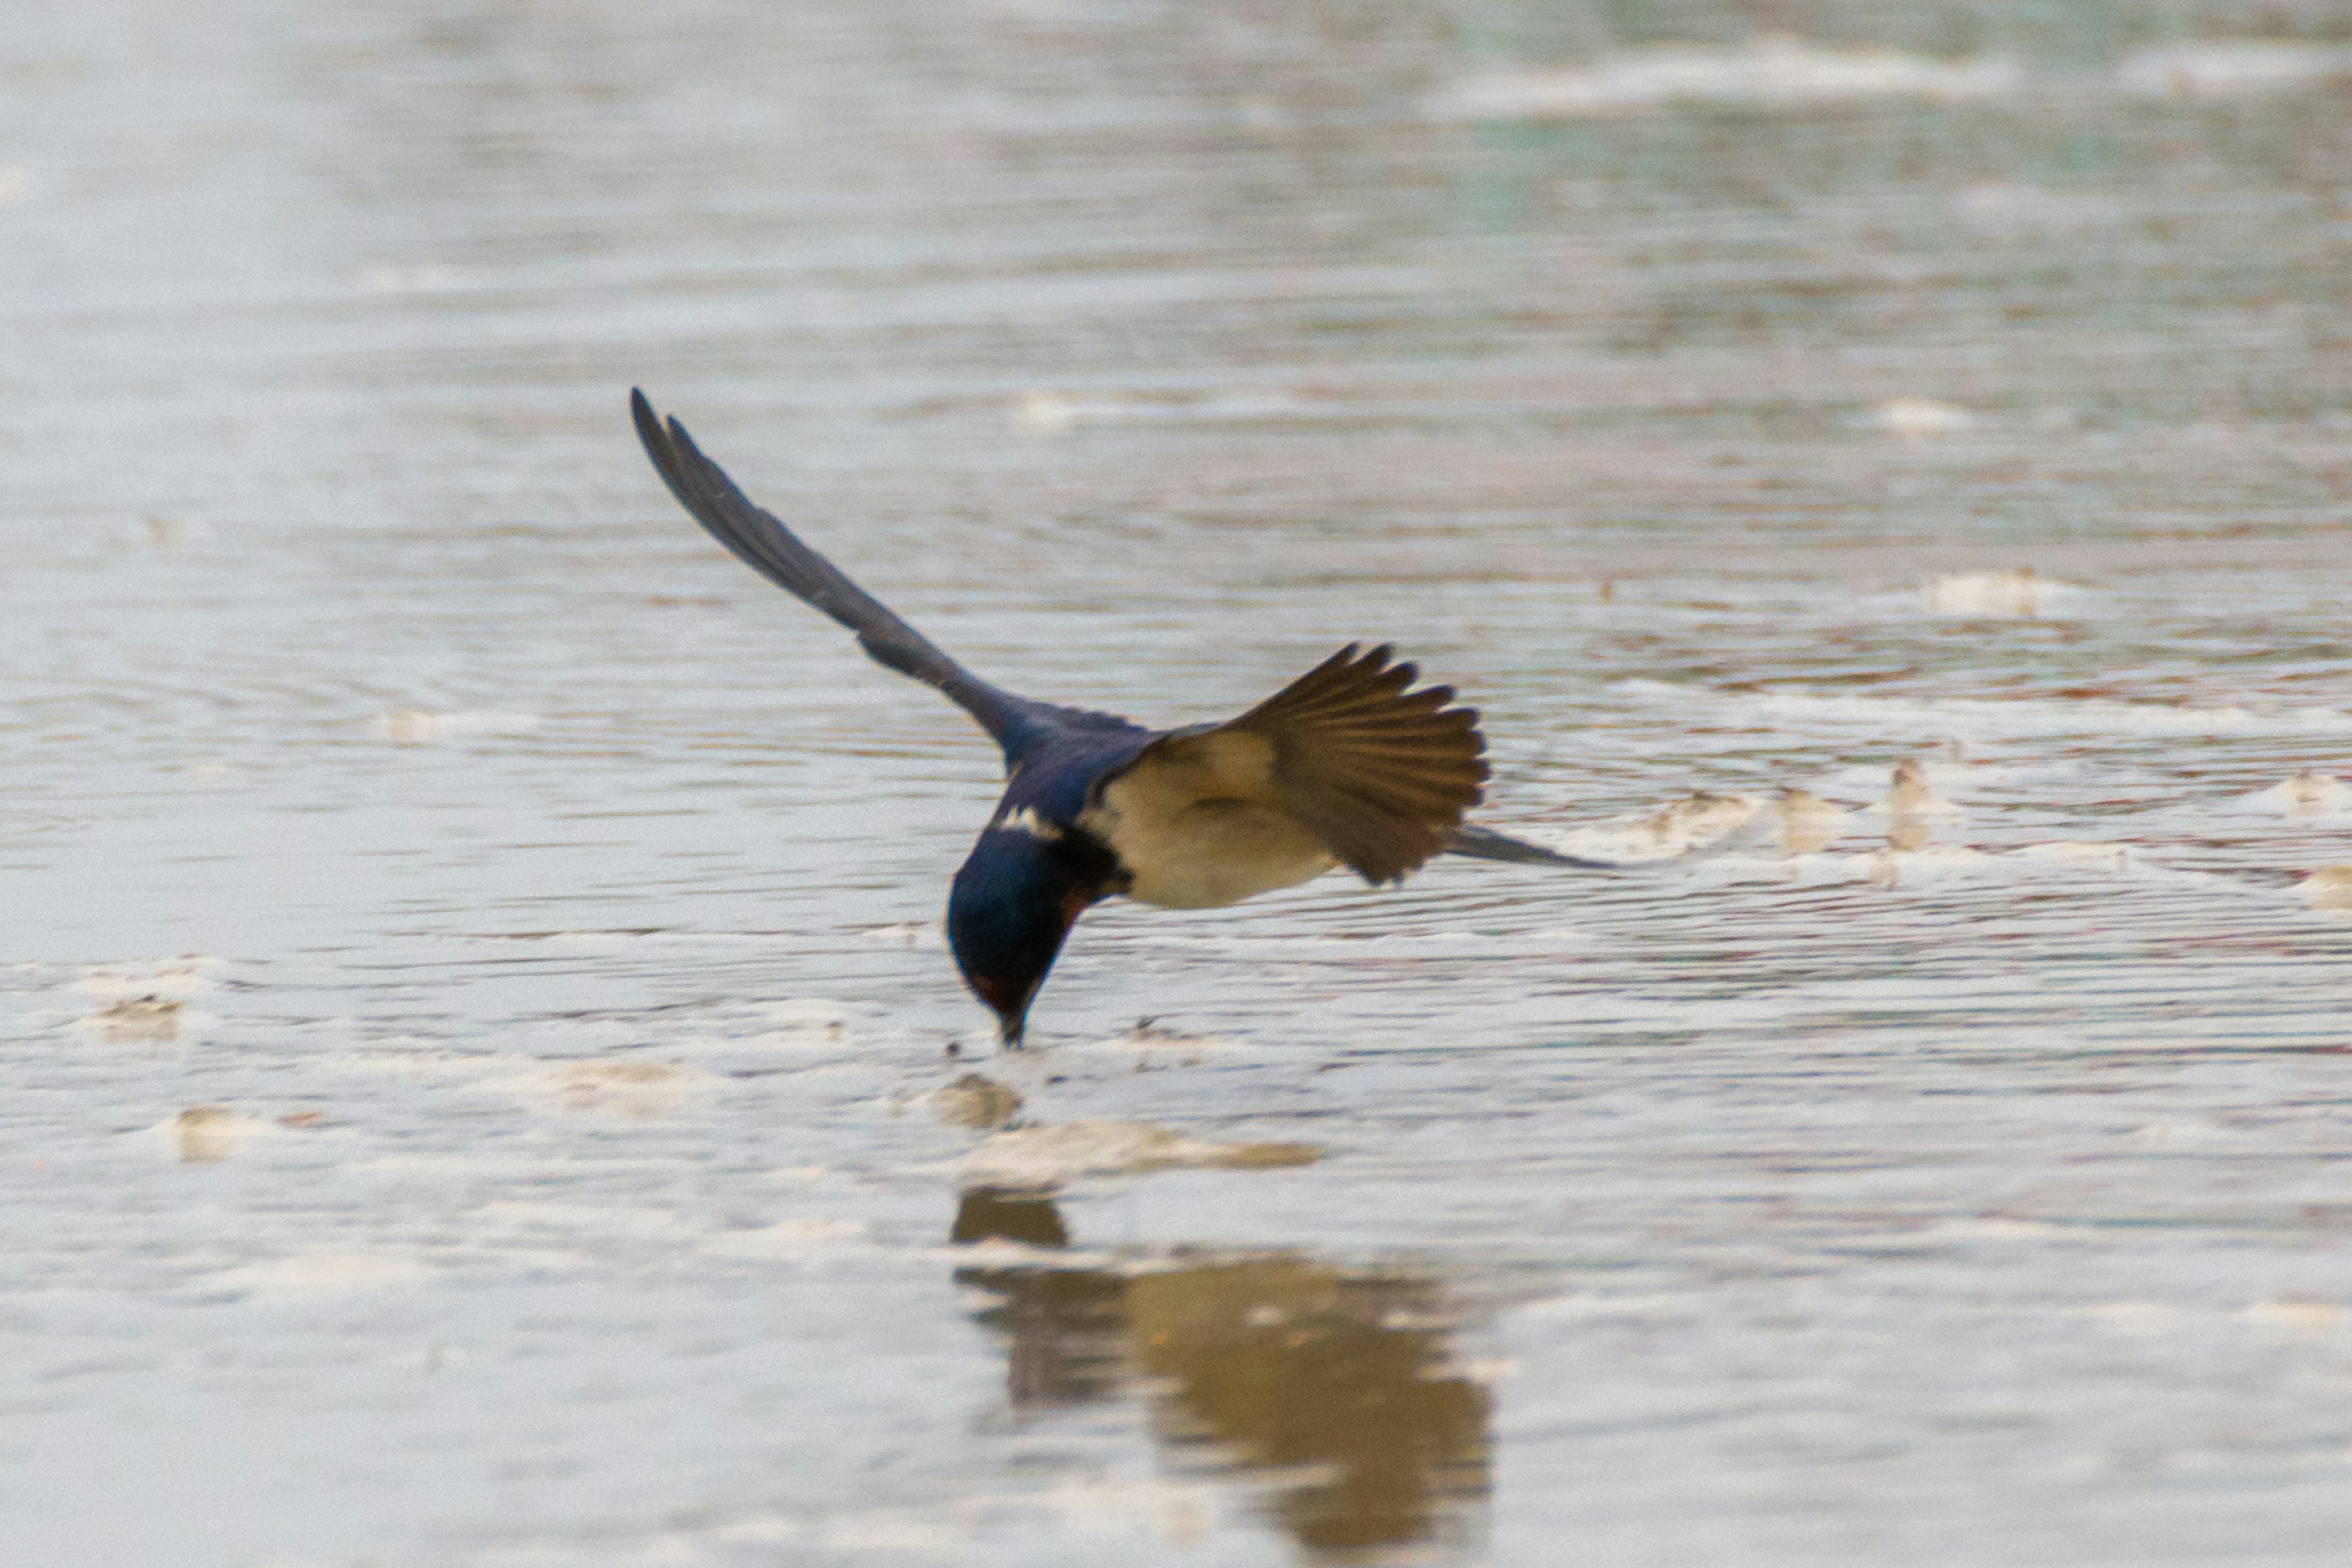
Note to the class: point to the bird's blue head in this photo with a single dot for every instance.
(1014, 903)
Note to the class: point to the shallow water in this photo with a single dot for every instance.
(474, 1033)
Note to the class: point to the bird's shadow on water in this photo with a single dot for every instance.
(1332, 1393)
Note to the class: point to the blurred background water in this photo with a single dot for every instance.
(474, 1036)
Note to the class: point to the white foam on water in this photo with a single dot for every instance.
(793, 1241)
(474, 1167)
(2328, 888)
(1772, 73)
(614, 940)
(1927, 865)
(1256, 940)
(1591, 1306)
(974, 1100)
(1783, 870)
(1054, 412)
(418, 726)
(804, 1028)
(1947, 770)
(517, 1216)
(522, 1233)
(1121, 1502)
(1149, 1044)
(2144, 1319)
(174, 532)
(1692, 824)
(2301, 795)
(1807, 822)
(206, 1134)
(1910, 793)
(172, 978)
(2298, 1317)
(1044, 1157)
(2009, 209)
(1920, 418)
(422, 1064)
(628, 1087)
(316, 1276)
(803, 1013)
(898, 1531)
(2089, 856)
(143, 1003)
(1993, 1227)
(155, 1020)
(2230, 68)
(2302, 1318)
(1181, 1513)
(1978, 718)
(798, 1175)
(606, 1087)
(2017, 595)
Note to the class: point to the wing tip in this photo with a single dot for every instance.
(649, 423)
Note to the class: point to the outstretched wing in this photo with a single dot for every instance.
(1375, 775)
(769, 548)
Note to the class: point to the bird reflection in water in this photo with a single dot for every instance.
(1330, 1385)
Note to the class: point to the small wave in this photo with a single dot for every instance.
(1922, 865)
(1701, 822)
(636, 1089)
(410, 278)
(2009, 595)
(976, 1099)
(1039, 1158)
(1057, 411)
(1918, 418)
(2230, 68)
(1702, 825)
(1299, 947)
(2021, 210)
(907, 933)
(415, 726)
(815, 1013)
(2081, 855)
(2329, 887)
(316, 1276)
(793, 1241)
(801, 1026)
(2301, 795)
(2012, 716)
(1909, 794)
(176, 978)
(1777, 73)
(153, 1019)
(25, 824)
(208, 1135)
(147, 1002)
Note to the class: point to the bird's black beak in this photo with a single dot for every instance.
(1011, 1007)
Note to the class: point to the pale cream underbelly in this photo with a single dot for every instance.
(1210, 852)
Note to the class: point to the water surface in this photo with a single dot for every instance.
(472, 1012)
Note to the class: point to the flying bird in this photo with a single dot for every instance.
(1350, 766)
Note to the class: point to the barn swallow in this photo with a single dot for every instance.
(1350, 765)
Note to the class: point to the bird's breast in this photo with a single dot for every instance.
(1186, 853)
